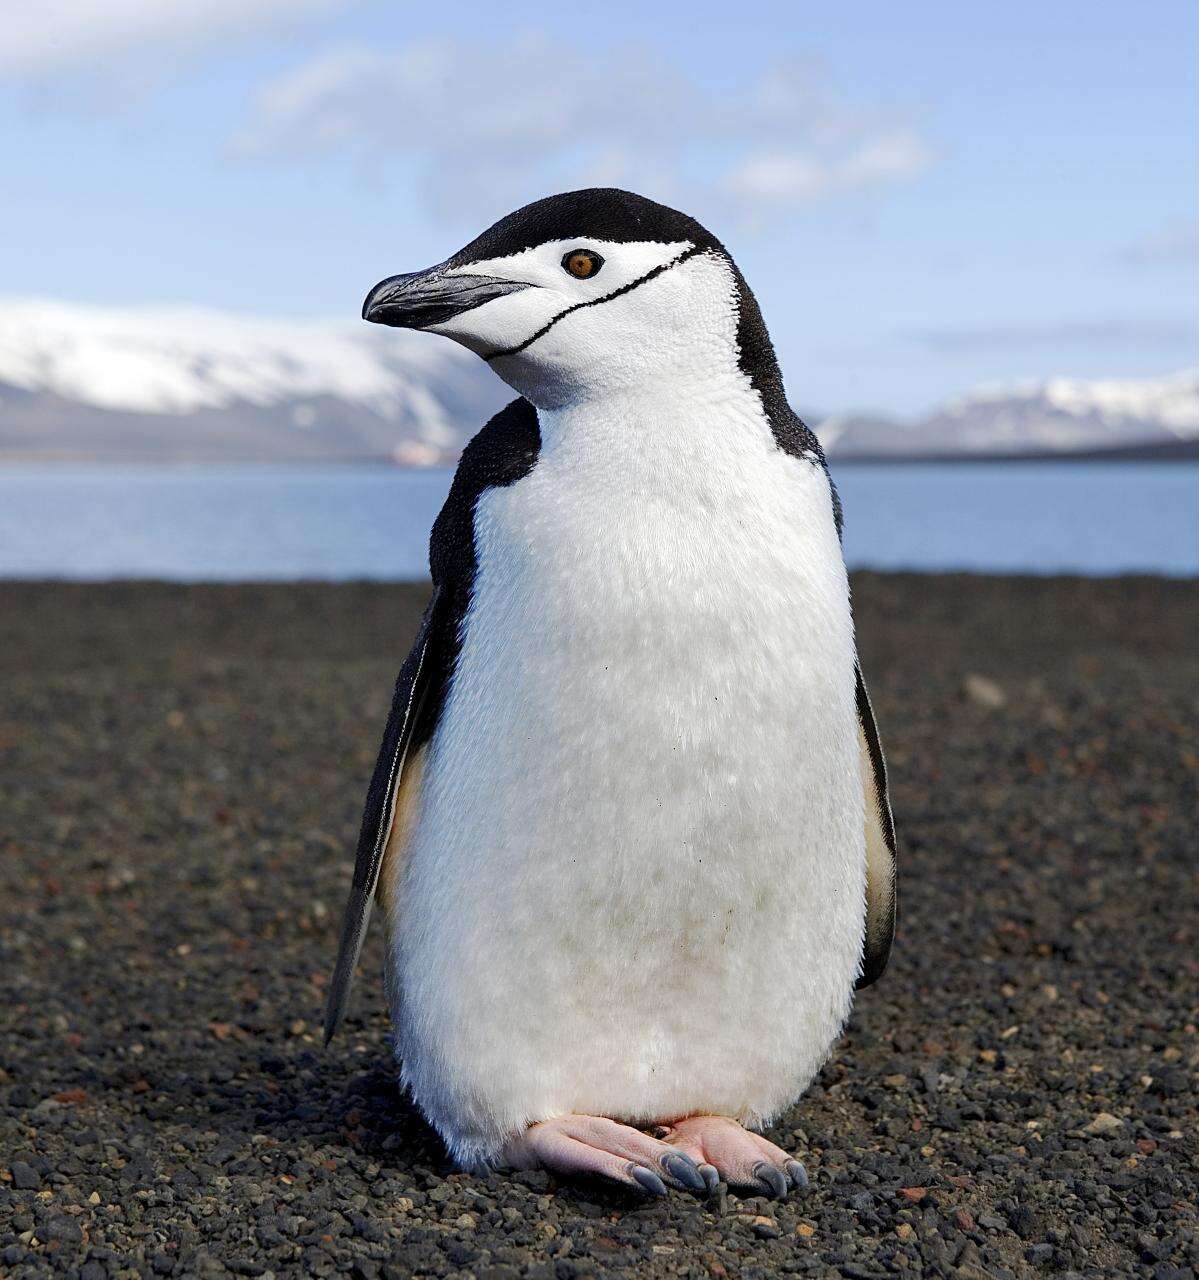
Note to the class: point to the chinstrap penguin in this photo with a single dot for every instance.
(629, 826)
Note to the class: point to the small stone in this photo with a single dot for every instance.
(24, 1176)
(805, 1230)
(1039, 1254)
(1103, 1123)
(765, 1228)
(913, 1195)
(1022, 1221)
(905, 1231)
(984, 692)
(63, 1229)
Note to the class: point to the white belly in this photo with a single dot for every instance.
(635, 882)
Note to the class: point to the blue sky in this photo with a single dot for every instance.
(926, 197)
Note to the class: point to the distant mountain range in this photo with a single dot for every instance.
(175, 384)
(1064, 417)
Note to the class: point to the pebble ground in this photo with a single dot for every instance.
(182, 769)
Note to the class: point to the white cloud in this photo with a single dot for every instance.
(893, 156)
(793, 177)
(779, 175)
(488, 127)
(43, 39)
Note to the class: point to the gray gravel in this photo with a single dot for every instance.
(182, 774)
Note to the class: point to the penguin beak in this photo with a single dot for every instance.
(424, 298)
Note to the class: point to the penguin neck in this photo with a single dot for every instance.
(685, 384)
(676, 415)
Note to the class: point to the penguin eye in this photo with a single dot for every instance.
(582, 263)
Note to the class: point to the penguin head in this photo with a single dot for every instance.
(584, 294)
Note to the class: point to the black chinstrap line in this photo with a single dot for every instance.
(595, 302)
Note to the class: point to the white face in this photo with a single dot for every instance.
(597, 315)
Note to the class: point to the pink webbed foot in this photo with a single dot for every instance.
(721, 1148)
(577, 1145)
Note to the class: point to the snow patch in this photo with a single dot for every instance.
(1171, 402)
(180, 359)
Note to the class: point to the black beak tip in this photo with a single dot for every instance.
(372, 304)
(380, 306)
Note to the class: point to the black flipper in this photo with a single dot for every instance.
(880, 847)
(502, 453)
(411, 689)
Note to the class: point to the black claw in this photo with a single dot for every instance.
(798, 1174)
(647, 1180)
(682, 1169)
(776, 1184)
(710, 1176)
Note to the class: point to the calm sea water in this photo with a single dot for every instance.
(279, 523)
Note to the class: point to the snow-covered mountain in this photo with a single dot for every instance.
(186, 384)
(1061, 416)
(83, 383)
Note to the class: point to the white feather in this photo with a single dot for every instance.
(635, 884)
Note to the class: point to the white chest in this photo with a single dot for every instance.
(644, 789)
(650, 531)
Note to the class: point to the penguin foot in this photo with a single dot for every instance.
(721, 1147)
(577, 1145)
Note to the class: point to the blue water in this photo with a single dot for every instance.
(291, 522)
